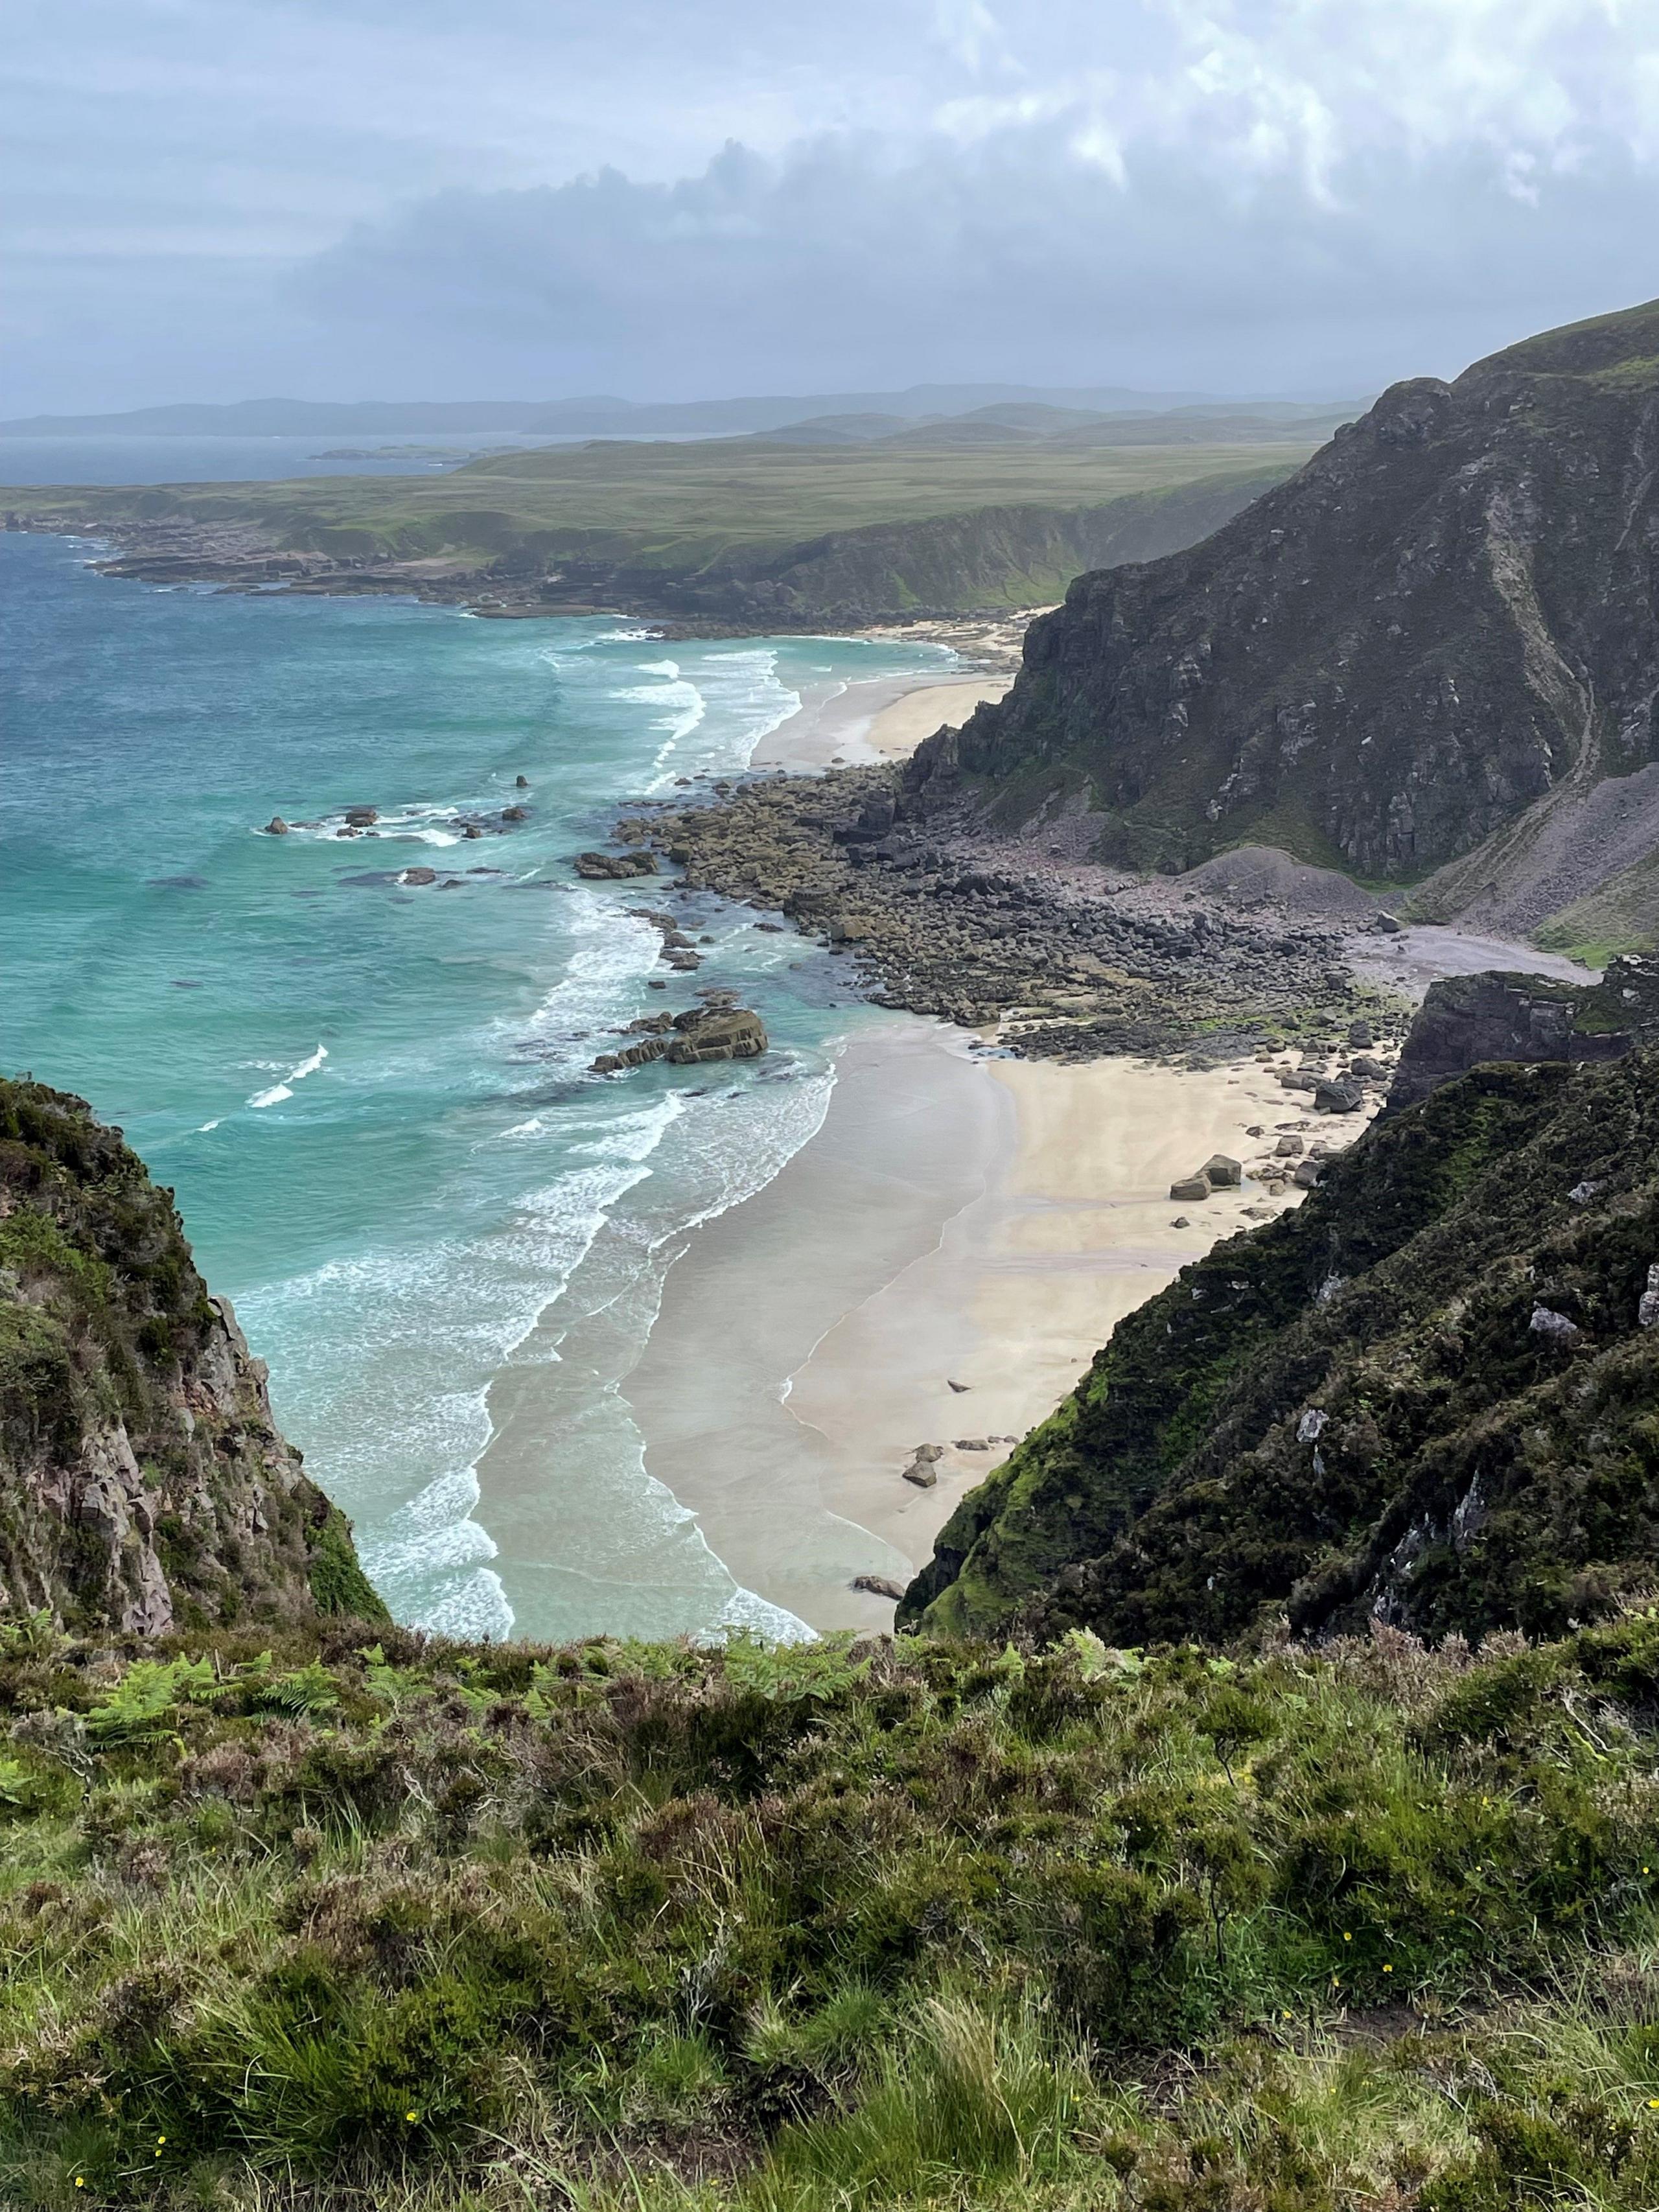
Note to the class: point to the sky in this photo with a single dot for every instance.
(669, 199)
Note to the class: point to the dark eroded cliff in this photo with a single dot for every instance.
(143, 1484)
(1443, 621)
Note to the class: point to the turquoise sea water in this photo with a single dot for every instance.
(372, 1100)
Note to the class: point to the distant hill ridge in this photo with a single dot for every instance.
(1430, 657)
(599, 413)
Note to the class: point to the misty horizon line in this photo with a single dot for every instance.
(472, 414)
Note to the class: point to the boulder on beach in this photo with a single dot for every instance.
(1188, 1187)
(1338, 1096)
(1221, 1173)
(880, 1586)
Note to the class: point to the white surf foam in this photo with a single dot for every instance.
(408, 1343)
(744, 699)
(277, 1092)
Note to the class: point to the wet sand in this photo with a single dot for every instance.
(956, 1219)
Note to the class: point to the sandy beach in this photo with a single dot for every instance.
(958, 1220)
(886, 717)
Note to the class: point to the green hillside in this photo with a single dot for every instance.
(729, 528)
(671, 504)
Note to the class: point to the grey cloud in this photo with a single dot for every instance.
(212, 198)
(852, 261)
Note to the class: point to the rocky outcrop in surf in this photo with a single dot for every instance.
(696, 1038)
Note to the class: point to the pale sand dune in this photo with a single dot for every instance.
(987, 1223)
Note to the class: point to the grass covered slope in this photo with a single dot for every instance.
(1445, 620)
(426, 1928)
(1427, 1395)
(721, 529)
(142, 1481)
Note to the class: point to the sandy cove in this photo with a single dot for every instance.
(956, 1219)
(880, 718)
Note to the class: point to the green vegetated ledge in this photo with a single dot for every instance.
(334, 1917)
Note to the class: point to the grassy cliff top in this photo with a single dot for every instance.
(359, 1921)
(1623, 348)
(669, 503)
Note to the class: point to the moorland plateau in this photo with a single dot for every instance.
(738, 534)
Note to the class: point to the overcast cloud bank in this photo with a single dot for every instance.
(1302, 197)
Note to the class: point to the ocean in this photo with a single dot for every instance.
(372, 1099)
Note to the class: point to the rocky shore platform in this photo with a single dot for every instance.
(1062, 960)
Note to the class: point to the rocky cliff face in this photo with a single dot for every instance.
(1468, 1021)
(1427, 1398)
(1443, 628)
(144, 1485)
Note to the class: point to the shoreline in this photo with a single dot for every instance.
(240, 560)
(956, 1219)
